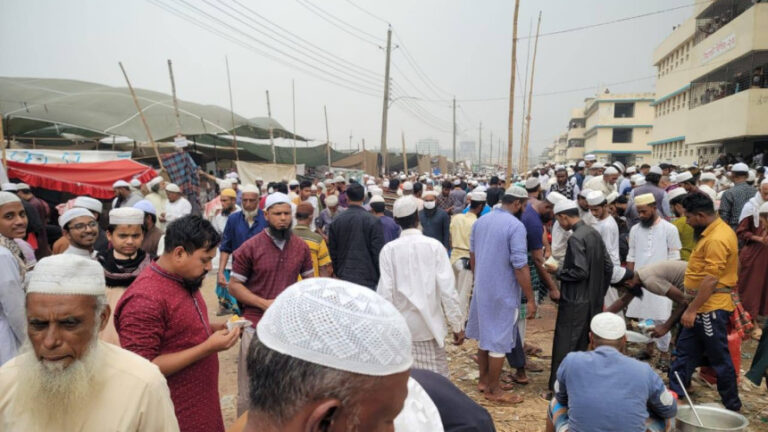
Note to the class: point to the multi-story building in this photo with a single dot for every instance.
(618, 127)
(467, 150)
(561, 148)
(712, 86)
(576, 128)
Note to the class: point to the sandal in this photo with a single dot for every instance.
(505, 399)
(511, 378)
(506, 386)
(532, 350)
(547, 395)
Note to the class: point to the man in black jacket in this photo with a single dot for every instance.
(355, 239)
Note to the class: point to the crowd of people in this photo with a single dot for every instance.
(343, 293)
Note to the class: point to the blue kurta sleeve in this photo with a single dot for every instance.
(561, 392)
(518, 253)
(660, 401)
(227, 236)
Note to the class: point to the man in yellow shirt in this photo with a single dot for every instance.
(711, 275)
(321, 259)
(460, 229)
(687, 240)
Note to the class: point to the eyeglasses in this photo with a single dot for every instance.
(82, 226)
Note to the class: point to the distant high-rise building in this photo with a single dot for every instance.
(466, 150)
(428, 146)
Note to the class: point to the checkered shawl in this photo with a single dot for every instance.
(182, 170)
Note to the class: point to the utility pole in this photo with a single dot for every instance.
(510, 124)
(385, 104)
(480, 146)
(293, 102)
(524, 149)
(271, 132)
(327, 139)
(232, 111)
(454, 134)
(405, 157)
(365, 166)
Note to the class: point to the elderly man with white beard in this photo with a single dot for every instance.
(66, 379)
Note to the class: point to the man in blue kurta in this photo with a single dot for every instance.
(499, 260)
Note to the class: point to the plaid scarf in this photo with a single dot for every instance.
(121, 273)
(12, 246)
(566, 191)
(741, 320)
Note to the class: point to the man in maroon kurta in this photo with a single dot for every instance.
(162, 317)
(263, 267)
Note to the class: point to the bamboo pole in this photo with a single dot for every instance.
(327, 138)
(365, 165)
(232, 112)
(530, 98)
(141, 115)
(175, 100)
(510, 124)
(293, 103)
(2, 141)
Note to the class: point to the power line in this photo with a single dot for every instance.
(340, 24)
(367, 80)
(590, 26)
(367, 12)
(333, 79)
(347, 63)
(419, 71)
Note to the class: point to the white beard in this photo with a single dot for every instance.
(62, 391)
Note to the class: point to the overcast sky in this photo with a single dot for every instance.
(446, 48)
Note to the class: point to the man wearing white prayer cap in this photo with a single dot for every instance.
(461, 230)
(299, 380)
(124, 260)
(604, 389)
(177, 205)
(584, 275)
(584, 214)
(734, 199)
(84, 384)
(152, 233)
(605, 183)
(95, 207)
(124, 196)
(651, 240)
(13, 268)
(416, 278)
(158, 197)
(80, 229)
(608, 229)
(533, 187)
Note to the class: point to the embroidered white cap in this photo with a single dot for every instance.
(608, 326)
(126, 216)
(67, 274)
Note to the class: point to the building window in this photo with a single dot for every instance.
(623, 110)
(622, 135)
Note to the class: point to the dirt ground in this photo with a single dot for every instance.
(530, 416)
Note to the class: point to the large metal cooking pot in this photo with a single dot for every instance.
(715, 419)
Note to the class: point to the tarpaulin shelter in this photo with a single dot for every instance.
(259, 150)
(268, 172)
(367, 161)
(94, 178)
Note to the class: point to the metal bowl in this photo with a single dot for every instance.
(715, 419)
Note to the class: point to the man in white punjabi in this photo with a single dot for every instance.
(584, 278)
(81, 229)
(416, 277)
(66, 379)
(13, 269)
(608, 229)
(300, 381)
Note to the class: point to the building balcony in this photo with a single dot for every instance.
(737, 37)
(576, 133)
(574, 153)
(738, 115)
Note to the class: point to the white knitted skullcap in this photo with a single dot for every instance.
(408, 186)
(645, 199)
(595, 198)
(121, 183)
(172, 187)
(516, 191)
(370, 183)
(276, 198)
(74, 212)
(136, 183)
(405, 206)
(293, 183)
(10, 187)
(708, 177)
(608, 326)
(155, 181)
(339, 179)
(584, 192)
(22, 186)
(339, 325)
(611, 170)
(555, 197)
(145, 206)
(89, 203)
(332, 201)
(612, 197)
(590, 157)
(740, 167)
(433, 193)
(676, 192)
(376, 199)
(656, 170)
(532, 183)
(126, 216)
(67, 274)
(250, 188)
(478, 196)
(683, 176)
(564, 205)
(374, 190)
(8, 197)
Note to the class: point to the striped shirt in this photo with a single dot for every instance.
(317, 247)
